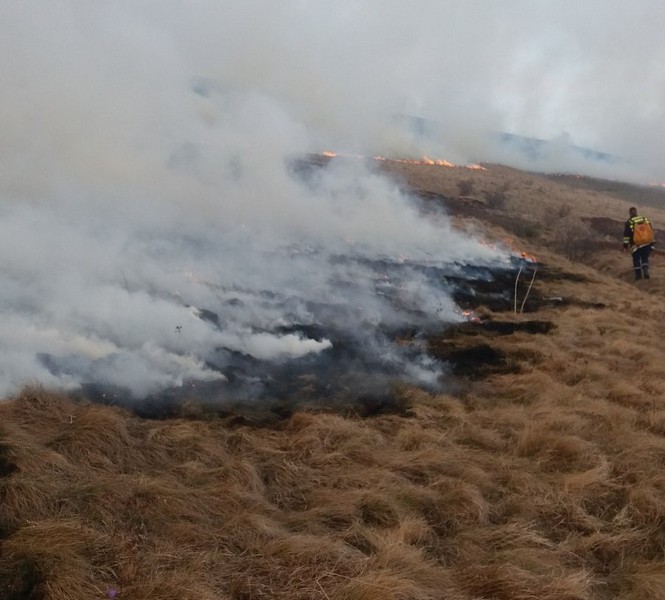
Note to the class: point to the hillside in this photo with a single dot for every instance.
(538, 474)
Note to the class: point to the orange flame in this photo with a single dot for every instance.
(510, 242)
(425, 160)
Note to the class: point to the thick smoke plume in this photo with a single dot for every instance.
(153, 227)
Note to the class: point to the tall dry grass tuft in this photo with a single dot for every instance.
(379, 584)
(96, 436)
(56, 559)
(648, 582)
(507, 582)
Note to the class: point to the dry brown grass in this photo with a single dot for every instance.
(544, 482)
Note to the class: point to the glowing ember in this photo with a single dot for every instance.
(471, 316)
(528, 257)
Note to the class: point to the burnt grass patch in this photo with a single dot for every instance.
(498, 292)
(475, 361)
(343, 380)
(499, 328)
(467, 347)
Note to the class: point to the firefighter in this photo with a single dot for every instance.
(639, 237)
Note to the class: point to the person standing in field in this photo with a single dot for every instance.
(638, 235)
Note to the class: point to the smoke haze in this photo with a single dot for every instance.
(151, 222)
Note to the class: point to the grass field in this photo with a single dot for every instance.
(540, 477)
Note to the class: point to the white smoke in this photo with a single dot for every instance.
(147, 152)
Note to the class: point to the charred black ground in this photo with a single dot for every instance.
(345, 377)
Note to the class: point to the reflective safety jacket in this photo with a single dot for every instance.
(629, 233)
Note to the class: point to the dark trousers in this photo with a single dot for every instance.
(641, 262)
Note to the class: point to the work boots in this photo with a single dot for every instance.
(642, 272)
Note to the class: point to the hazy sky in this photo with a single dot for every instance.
(144, 151)
(590, 70)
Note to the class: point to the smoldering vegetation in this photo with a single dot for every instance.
(356, 358)
(313, 277)
(159, 235)
(148, 178)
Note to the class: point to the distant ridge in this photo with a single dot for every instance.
(534, 149)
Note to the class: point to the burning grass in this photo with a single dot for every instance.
(542, 480)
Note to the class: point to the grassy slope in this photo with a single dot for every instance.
(542, 482)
